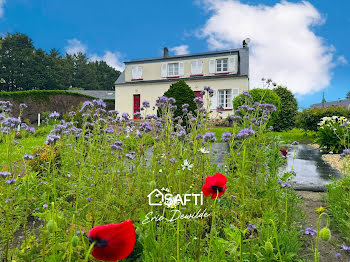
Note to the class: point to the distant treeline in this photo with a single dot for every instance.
(23, 67)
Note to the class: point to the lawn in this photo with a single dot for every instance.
(289, 136)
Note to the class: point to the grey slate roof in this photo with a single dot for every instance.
(243, 66)
(344, 102)
(102, 94)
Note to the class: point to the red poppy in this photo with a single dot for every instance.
(113, 242)
(214, 185)
(284, 151)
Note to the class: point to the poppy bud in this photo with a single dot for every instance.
(325, 234)
(51, 225)
(268, 247)
(75, 241)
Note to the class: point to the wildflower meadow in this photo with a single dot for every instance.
(106, 187)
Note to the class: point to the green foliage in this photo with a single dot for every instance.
(49, 71)
(263, 96)
(183, 95)
(309, 118)
(289, 108)
(331, 134)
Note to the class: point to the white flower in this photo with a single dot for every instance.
(186, 165)
(163, 156)
(331, 152)
(171, 202)
(204, 151)
(160, 170)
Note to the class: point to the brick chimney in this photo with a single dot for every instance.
(166, 52)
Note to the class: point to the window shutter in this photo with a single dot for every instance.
(232, 64)
(139, 75)
(200, 67)
(214, 100)
(212, 66)
(193, 67)
(134, 72)
(234, 93)
(164, 70)
(181, 68)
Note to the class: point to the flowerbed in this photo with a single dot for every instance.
(68, 200)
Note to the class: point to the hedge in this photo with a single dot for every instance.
(309, 118)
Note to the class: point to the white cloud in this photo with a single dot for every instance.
(112, 59)
(180, 50)
(2, 3)
(283, 45)
(74, 46)
(341, 60)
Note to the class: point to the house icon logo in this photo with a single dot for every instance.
(157, 194)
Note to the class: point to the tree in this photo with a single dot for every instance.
(262, 96)
(16, 60)
(183, 95)
(348, 95)
(106, 75)
(289, 108)
(84, 74)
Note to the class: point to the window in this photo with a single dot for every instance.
(221, 65)
(173, 69)
(225, 98)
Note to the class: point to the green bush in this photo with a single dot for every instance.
(183, 95)
(332, 133)
(263, 96)
(288, 111)
(309, 118)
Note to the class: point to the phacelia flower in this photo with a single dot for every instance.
(27, 156)
(113, 242)
(245, 133)
(310, 231)
(226, 136)
(54, 115)
(214, 185)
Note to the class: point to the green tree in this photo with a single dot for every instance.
(16, 62)
(289, 108)
(183, 95)
(261, 96)
(106, 75)
(348, 95)
(84, 74)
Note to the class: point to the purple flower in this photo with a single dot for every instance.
(51, 139)
(137, 114)
(172, 160)
(86, 106)
(309, 231)
(235, 118)
(172, 100)
(89, 199)
(346, 248)
(11, 181)
(251, 227)
(246, 94)
(130, 155)
(145, 127)
(80, 232)
(220, 108)
(45, 206)
(4, 173)
(226, 136)
(245, 133)
(27, 156)
(99, 103)
(268, 107)
(23, 106)
(7, 200)
(117, 145)
(199, 101)
(54, 115)
(337, 255)
(209, 136)
(295, 143)
(146, 104)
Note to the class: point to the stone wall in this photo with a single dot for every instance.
(61, 103)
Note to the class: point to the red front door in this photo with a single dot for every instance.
(198, 94)
(136, 104)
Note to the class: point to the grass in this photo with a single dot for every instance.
(296, 134)
(28, 144)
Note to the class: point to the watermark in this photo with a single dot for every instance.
(163, 197)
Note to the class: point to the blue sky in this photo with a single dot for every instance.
(304, 45)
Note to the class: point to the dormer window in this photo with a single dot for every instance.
(173, 69)
(221, 65)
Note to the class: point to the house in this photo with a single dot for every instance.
(226, 72)
(343, 103)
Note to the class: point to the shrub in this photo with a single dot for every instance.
(289, 108)
(332, 133)
(309, 118)
(263, 96)
(183, 95)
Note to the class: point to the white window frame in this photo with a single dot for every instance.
(219, 65)
(171, 69)
(225, 98)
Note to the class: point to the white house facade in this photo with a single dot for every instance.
(226, 72)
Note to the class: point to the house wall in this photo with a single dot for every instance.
(152, 70)
(151, 91)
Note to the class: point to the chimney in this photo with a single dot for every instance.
(166, 52)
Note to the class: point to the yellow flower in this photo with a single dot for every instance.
(320, 210)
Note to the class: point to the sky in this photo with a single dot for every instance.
(303, 45)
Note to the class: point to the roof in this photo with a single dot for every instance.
(243, 66)
(102, 94)
(344, 102)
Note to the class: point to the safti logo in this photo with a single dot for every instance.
(158, 198)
